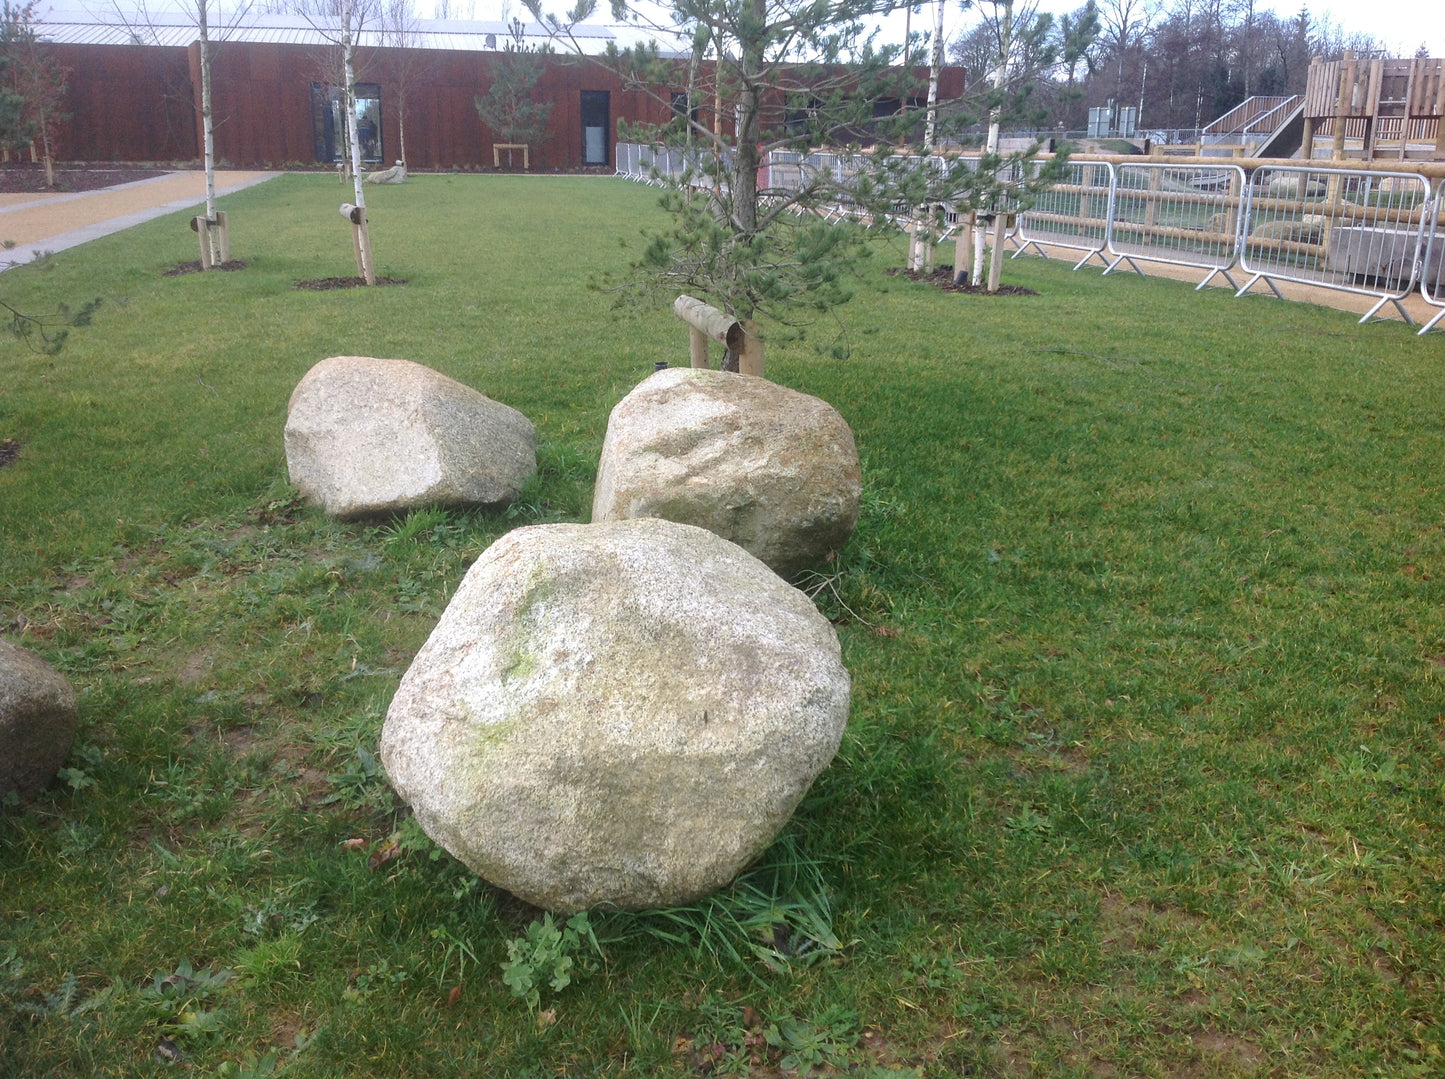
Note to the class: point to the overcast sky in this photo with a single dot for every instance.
(1402, 24)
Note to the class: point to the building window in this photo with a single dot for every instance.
(596, 107)
(328, 118)
(679, 106)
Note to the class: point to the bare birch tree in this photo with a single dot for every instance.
(340, 23)
(212, 27)
(403, 56)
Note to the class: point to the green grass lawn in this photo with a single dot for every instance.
(1145, 615)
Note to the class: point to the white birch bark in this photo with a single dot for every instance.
(348, 59)
(208, 131)
(1000, 80)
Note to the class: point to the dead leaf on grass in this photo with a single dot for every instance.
(383, 854)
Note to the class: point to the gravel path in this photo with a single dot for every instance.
(54, 222)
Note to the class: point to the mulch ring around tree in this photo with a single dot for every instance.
(194, 266)
(326, 284)
(942, 278)
(9, 451)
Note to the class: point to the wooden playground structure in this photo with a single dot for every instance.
(1375, 109)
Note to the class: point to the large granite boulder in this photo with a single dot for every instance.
(619, 714)
(38, 720)
(366, 437)
(394, 175)
(769, 468)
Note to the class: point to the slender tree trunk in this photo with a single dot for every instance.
(1000, 80)
(748, 155)
(348, 59)
(208, 131)
(45, 149)
(401, 123)
(921, 247)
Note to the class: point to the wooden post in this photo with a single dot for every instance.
(930, 245)
(697, 347)
(363, 244)
(360, 241)
(202, 228)
(223, 237)
(962, 240)
(1342, 104)
(750, 359)
(995, 262)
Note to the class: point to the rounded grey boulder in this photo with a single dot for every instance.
(619, 714)
(774, 470)
(367, 436)
(38, 720)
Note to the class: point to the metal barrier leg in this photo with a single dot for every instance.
(1222, 272)
(1398, 307)
(1431, 324)
(1124, 258)
(1260, 277)
(1096, 253)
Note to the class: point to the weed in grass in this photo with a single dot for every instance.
(547, 956)
(805, 1045)
(65, 1001)
(362, 785)
(183, 1005)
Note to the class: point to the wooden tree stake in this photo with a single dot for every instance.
(697, 346)
(995, 262)
(223, 236)
(750, 359)
(961, 241)
(360, 241)
(202, 228)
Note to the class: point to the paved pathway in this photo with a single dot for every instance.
(37, 223)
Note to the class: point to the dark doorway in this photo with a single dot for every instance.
(328, 121)
(596, 119)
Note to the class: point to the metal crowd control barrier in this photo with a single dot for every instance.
(636, 161)
(1184, 215)
(1432, 269)
(1073, 214)
(1355, 231)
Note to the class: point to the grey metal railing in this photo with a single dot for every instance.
(1375, 234)
(1355, 231)
(1184, 215)
(1073, 214)
(1432, 267)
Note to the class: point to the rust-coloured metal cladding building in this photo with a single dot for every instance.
(134, 93)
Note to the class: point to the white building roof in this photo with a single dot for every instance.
(169, 28)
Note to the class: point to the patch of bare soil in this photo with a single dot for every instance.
(9, 451)
(942, 278)
(326, 284)
(194, 266)
(23, 177)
